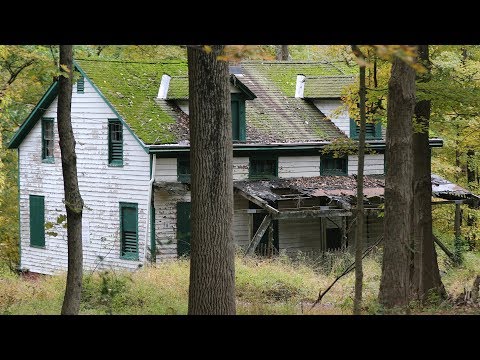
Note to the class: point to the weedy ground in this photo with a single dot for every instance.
(280, 285)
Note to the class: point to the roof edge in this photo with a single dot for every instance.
(32, 119)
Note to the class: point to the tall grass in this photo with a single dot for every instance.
(280, 285)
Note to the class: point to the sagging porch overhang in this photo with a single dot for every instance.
(329, 196)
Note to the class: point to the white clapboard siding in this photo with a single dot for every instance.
(240, 168)
(241, 224)
(299, 235)
(297, 166)
(166, 222)
(341, 119)
(373, 164)
(166, 169)
(102, 188)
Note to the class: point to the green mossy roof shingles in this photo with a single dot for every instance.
(178, 88)
(276, 115)
(132, 89)
(326, 87)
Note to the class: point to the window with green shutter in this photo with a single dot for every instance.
(183, 169)
(47, 140)
(129, 231)
(238, 117)
(37, 221)
(373, 131)
(81, 85)
(115, 142)
(263, 167)
(333, 166)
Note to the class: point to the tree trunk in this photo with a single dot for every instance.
(357, 305)
(470, 167)
(73, 199)
(212, 266)
(398, 186)
(282, 52)
(425, 277)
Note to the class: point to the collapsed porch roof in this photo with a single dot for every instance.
(340, 190)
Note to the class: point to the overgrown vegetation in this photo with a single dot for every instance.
(263, 286)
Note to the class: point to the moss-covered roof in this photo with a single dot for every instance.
(178, 88)
(275, 116)
(132, 89)
(324, 87)
(284, 74)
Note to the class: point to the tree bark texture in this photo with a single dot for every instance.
(73, 199)
(394, 285)
(212, 266)
(282, 52)
(425, 275)
(357, 305)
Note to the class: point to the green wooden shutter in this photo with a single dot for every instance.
(372, 130)
(183, 228)
(115, 142)
(235, 120)
(238, 118)
(37, 220)
(129, 231)
(81, 85)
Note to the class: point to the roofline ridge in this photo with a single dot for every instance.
(134, 62)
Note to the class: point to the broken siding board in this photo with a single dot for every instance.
(240, 168)
(102, 188)
(336, 112)
(373, 164)
(298, 166)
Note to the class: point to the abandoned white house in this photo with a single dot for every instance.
(130, 122)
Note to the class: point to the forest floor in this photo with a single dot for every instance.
(263, 286)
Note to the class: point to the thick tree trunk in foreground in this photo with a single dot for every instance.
(282, 52)
(394, 285)
(357, 305)
(73, 199)
(425, 277)
(212, 266)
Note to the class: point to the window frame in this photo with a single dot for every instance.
(183, 178)
(114, 162)
(327, 172)
(81, 85)
(253, 158)
(45, 158)
(128, 256)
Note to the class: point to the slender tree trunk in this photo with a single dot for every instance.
(212, 266)
(73, 199)
(394, 285)
(282, 52)
(425, 277)
(357, 305)
(470, 166)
